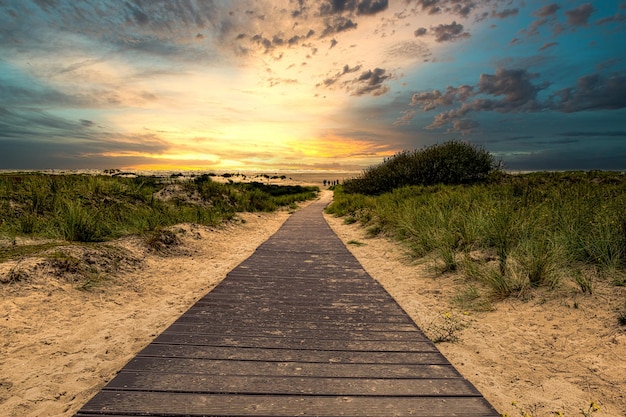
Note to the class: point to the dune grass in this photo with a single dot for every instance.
(94, 208)
(512, 233)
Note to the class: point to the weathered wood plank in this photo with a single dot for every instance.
(181, 404)
(227, 320)
(290, 385)
(346, 334)
(302, 343)
(256, 368)
(293, 355)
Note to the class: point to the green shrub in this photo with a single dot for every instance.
(453, 162)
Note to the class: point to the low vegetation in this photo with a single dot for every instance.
(453, 162)
(506, 234)
(95, 208)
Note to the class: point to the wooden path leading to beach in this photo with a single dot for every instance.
(298, 329)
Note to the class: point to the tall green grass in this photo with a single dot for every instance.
(513, 233)
(88, 208)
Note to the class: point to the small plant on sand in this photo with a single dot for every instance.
(584, 281)
(162, 239)
(445, 328)
(355, 243)
(621, 316)
(593, 407)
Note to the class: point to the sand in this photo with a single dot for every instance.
(61, 344)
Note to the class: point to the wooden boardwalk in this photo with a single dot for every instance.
(298, 329)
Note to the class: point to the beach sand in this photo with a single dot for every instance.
(61, 344)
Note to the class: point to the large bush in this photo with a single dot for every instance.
(450, 163)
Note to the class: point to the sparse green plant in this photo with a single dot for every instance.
(592, 408)
(355, 243)
(621, 316)
(349, 220)
(161, 240)
(470, 298)
(584, 281)
(444, 328)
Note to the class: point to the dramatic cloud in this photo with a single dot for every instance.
(545, 14)
(420, 32)
(514, 91)
(580, 15)
(364, 7)
(371, 82)
(430, 100)
(461, 8)
(450, 32)
(337, 24)
(592, 92)
(505, 13)
(548, 45)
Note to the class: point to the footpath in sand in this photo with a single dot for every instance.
(60, 345)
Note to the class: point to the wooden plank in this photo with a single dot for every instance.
(281, 385)
(303, 343)
(323, 334)
(227, 320)
(181, 404)
(292, 355)
(295, 314)
(258, 368)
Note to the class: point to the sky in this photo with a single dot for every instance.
(309, 85)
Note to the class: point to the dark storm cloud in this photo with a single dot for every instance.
(337, 24)
(504, 92)
(346, 70)
(505, 13)
(450, 32)
(547, 11)
(371, 82)
(545, 14)
(364, 7)
(515, 86)
(580, 15)
(548, 45)
(463, 8)
(420, 32)
(464, 126)
(429, 100)
(515, 91)
(368, 82)
(592, 92)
